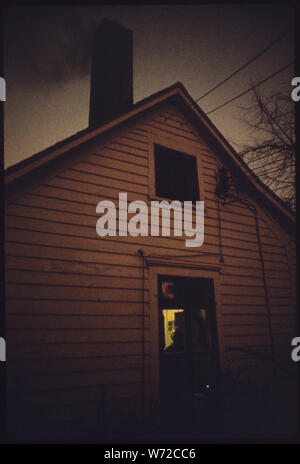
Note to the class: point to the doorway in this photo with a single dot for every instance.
(189, 361)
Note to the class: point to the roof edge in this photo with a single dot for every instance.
(37, 160)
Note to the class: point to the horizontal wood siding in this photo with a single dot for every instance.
(77, 321)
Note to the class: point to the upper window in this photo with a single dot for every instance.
(175, 175)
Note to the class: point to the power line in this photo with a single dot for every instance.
(251, 88)
(236, 72)
(242, 67)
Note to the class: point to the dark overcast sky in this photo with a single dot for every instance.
(47, 62)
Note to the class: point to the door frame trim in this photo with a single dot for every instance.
(180, 269)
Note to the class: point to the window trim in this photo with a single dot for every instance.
(179, 146)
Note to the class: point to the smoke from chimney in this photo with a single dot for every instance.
(111, 73)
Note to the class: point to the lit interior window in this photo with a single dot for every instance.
(173, 330)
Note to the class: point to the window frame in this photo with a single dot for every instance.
(178, 145)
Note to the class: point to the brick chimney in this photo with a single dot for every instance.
(111, 73)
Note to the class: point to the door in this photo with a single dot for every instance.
(189, 361)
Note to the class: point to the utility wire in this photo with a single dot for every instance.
(242, 67)
(250, 88)
(241, 94)
(237, 70)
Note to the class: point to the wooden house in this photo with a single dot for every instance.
(90, 321)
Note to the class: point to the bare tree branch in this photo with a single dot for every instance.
(272, 150)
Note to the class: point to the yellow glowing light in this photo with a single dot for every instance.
(170, 324)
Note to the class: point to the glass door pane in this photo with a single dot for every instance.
(173, 330)
(200, 331)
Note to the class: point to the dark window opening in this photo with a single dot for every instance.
(176, 175)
